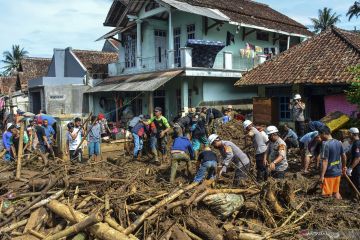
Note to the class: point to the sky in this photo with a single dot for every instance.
(39, 26)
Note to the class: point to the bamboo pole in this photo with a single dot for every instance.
(20, 150)
(100, 230)
(89, 221)
(13, 226)
(152, 209)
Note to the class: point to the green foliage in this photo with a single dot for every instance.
(353, 94)
(326, 18)
(354, 10)
(12, 59)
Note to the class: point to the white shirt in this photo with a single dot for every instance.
(74, 143)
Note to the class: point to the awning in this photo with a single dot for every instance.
(135, 83)
(203, 11)
(109, 34)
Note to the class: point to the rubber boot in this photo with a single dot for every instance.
(174, 166)
(155, 153)
(188, 168)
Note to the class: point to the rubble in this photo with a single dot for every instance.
(119, 198)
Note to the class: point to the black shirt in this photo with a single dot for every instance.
(205, 156)
(40, 133)
(355, 150)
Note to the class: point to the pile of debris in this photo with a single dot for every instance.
(119, 198)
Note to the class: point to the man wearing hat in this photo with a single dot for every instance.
(298, 109)
(354, 168)
(162, 128)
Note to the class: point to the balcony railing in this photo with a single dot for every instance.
(223, 61)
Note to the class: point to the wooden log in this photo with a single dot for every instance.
(35, 218)
(20, 150)
(112, 223)
(96, 179)
(177, 234)
(45, 201)
(36, 200)
(100, 230)
(84, 202)
(87, 222)
(188, 232)
(152, 209)
(202, 229)
(36, 234)
(13, 226)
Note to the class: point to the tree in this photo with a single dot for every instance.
(354, 10)
(353, 94)
(325, 20)
(12, 59)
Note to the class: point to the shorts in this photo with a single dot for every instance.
(196, 142)
(331, 185)
(76, 156)
(94, 148)
(304, 147)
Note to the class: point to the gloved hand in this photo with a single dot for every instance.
(349, 171)
(223, 170)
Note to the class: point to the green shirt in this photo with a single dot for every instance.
(161, 123)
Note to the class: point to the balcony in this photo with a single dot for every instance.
(223, 61)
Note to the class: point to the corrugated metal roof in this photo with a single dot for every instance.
(135, 83)
(109, 34)
(203, 11)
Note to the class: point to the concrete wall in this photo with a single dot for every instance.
(73, 68)
(64, 99)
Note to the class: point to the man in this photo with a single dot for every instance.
(231, 112)
(290, 137)
(276, 153)
(6, 139)
(331, 166)
(138, 132)
(15, 140)
(231, 153)
(354, 168)
(44, 145)
(50, 133)
(213, 119)
(315, 125)
(260, 148)
(310, 145)
(207, 162)
(298, 109)
(198, 134)
(181, 150)
(162, 128)
(94, 138)
(9, 117)
(74, 136)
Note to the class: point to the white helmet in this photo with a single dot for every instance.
(229, 107)
(354, 130)
(246, 123)
(297, 97)
(271, 129)
(8, 126)
(212, 138)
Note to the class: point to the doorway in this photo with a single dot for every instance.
(159, 99)
(160, 49)
(36, 102)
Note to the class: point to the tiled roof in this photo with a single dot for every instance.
(114, 42)
(32, 68)
(95, 61)
(324, 58)
(253, 13)
(6, 83)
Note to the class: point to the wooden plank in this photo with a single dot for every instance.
(35, 218)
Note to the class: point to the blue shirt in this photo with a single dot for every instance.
(315, 125)
(226, 119)
(331, 152)
(205, 156)
(307, 138)
(183, 144)
(7, 140)
(291, 134)
(95, 133)
(49, 130)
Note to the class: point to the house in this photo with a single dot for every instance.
(111, 45)
(71, 72)
(316, 68)
(187, 53)
(14, 88)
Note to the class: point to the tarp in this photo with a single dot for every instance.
(135, 83)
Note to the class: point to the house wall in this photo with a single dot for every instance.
(72, 66)
(338, 102)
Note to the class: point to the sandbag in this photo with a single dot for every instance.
(224, 204)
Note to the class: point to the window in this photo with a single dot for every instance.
(130, 50)
(262, 36)
(177, 39)
(284, 108)
(190, 31)
(160, 33)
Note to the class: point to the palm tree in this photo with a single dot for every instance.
(12, 59)
(354, 10)
(325, 20)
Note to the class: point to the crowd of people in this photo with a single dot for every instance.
(195, 139)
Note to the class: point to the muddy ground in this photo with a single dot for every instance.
(296, 212)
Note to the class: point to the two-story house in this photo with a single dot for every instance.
(189, 53)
